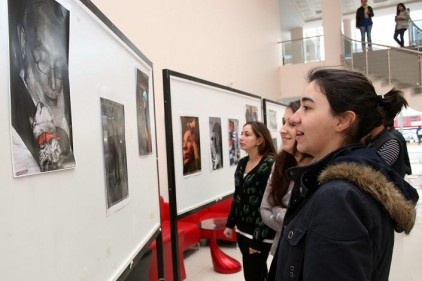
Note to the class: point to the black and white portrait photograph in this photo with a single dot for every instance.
(272, 120)
(234, 146)
(41, 130)
(275, 143)
(114, 143)
(216, 143)
(191, 148)
(251, 113)
(142, 112)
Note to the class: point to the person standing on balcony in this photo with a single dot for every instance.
(419, 134)
(402, 23)
(364, 16)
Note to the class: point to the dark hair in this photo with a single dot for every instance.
(348, 90)
(398, 5)
(283, 161)
(266, 148)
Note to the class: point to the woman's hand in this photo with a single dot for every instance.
(228, 232)
(253, 251)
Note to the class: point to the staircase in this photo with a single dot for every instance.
(388, 67)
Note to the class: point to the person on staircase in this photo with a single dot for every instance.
(364, 16)
(402, 23)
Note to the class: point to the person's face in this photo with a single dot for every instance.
(363, 2)
(288, 132)
(187, 147)
(401, 8)
(231, 126)
(46, 55)
(315, 125)
(248, 139)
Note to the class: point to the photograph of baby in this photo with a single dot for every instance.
(114, 144)
(216, 143)
(191, 148)
(42, 138)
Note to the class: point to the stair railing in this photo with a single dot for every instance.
(399, 66)
(303, 50)
(415, 33)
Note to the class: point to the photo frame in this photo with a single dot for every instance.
(68, 209)
(208, 102)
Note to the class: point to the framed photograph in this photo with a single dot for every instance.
(191, 104)
(210, 121)
(51, 113)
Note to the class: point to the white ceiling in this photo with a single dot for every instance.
(299, 13)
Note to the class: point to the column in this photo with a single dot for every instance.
(297, 46)
(331, 22)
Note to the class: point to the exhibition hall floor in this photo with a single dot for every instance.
(407, 249)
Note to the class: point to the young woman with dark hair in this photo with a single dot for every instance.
(345, 206)
(277, 193)
(388, 145)
(251, 176)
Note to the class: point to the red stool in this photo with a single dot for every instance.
(222, 262)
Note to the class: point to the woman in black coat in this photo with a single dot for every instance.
(345, 207)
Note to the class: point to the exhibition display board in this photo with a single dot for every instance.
(273, 115)
(79, 174)
(204, 121)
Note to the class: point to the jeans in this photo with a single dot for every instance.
(366, 30)
(400, 32)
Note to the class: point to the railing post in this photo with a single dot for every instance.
(366, 61)
(389, 65)
(420, 71)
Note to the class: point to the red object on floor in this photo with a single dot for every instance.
(222, 262)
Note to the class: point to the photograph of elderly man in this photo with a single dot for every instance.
(39, 87)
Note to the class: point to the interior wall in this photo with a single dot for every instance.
(233, 44)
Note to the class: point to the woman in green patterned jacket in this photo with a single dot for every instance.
(253, 236)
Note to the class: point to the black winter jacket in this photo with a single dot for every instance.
(360, 16)
(341, 218)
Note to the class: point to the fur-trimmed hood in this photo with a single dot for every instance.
(402, 211)
(366, 169)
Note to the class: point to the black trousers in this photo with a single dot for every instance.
(255, 265)
(273, 267)
(399, 32)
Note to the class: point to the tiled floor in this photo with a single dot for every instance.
(406, 264)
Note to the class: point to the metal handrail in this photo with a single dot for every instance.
(300, 51)
(415, 34)
(300, 39)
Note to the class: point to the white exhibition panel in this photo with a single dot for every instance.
(279, 110)
(56, 226)
(191, 98)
